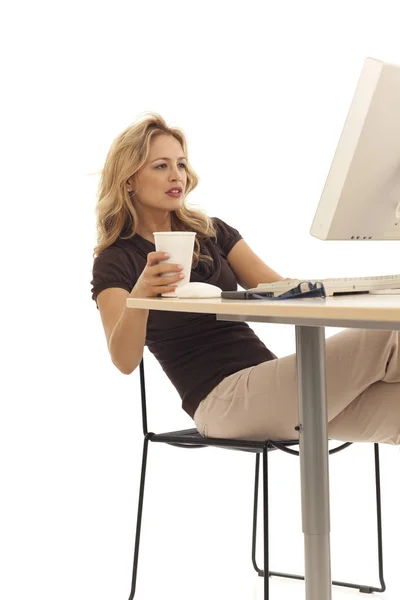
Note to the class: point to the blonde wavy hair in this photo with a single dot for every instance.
(115, 211)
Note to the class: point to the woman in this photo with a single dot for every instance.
(230, 383)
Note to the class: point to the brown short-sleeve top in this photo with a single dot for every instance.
(195, 350)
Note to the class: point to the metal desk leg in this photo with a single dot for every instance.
(310, 349)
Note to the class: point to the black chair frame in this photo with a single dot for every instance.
(191, 438)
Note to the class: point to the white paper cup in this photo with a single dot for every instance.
(179, 244)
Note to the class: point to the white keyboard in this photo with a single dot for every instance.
(344, 285)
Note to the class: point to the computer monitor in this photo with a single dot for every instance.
(361, 196)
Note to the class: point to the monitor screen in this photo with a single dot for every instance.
(361, 196)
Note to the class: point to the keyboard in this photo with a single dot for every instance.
(333, 286)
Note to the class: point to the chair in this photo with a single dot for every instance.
(190, 438)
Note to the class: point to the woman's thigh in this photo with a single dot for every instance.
(374, 416)
(261, 402)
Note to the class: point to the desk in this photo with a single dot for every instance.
(310, 316)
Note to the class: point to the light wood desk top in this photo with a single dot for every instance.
(355, 310)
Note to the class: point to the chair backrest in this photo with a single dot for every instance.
(143, 397)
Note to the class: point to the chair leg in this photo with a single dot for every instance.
(379, 518)
(265, 515)
(255, 513)
(139, 517)
(266, 532)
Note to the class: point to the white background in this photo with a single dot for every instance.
(261, 89)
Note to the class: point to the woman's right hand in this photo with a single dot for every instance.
(156, 277)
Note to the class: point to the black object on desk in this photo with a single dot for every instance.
(305, 289)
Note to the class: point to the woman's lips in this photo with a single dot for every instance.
(174, 194)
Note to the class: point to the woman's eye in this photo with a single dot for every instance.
(165, 165)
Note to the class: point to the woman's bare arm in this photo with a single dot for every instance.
(249, 269)
(125, 329)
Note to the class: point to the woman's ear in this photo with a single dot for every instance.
(130, 183)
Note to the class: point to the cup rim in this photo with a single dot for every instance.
(174, 233)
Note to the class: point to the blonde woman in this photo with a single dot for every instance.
(229, 382)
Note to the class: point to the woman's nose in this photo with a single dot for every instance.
(176, 173)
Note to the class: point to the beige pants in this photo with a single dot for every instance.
(363, 394)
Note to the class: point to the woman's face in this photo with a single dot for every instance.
(165, 168)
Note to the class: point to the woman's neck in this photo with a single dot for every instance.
(146, 230)
(148, 223)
